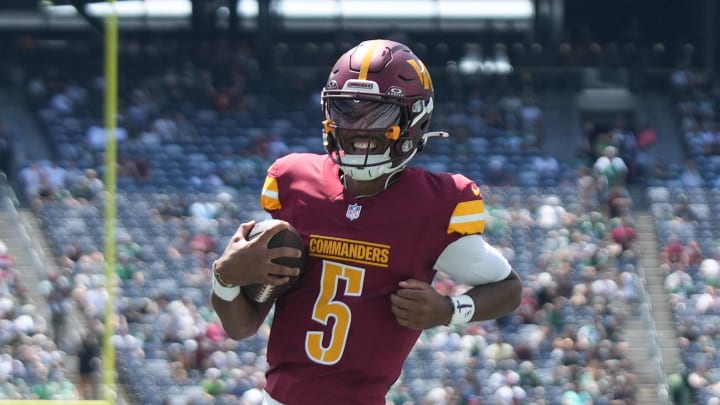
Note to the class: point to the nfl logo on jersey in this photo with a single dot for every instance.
(353, 211)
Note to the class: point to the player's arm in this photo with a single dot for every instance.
(496, 287)
(243, 263)
(470, 260)
(492, 300)
(240, 317)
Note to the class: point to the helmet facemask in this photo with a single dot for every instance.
(369, 136)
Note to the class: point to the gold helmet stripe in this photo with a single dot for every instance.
(367, 58)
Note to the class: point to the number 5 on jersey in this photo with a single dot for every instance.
(326, 307)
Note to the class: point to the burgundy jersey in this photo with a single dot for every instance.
(334, 338)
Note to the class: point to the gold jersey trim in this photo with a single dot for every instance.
(468, 218)
(270, 198)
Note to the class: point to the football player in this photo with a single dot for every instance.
(376, 232)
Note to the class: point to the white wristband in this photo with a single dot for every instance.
(225, 293)
(463, 309)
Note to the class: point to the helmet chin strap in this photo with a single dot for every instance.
(389, 180)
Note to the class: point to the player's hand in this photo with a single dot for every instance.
(417, 305)
(250, 262)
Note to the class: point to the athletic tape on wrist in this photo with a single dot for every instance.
(225, 293)
(464, 309)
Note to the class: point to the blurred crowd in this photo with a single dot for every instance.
(31, 364)
(196, 135)
(685, 210)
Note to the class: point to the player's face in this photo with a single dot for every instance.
(362, 124)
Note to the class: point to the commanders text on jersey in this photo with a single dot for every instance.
(356, 251)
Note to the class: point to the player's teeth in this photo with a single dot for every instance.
(364, 145)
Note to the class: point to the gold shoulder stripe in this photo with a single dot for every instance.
(468, 218)
(270, 199)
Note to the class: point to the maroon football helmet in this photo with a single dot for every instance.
(378, 93)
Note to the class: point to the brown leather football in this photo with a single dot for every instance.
(285, 238)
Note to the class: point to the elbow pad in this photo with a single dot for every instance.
(471, 260)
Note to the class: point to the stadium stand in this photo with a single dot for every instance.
(190, 200)
(197, 131)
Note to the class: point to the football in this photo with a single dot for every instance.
(285, 238)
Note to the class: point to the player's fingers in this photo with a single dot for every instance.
(400, 302)
(268, 233)
(275, 280)
(405, 317)
(401, 321)
(283, 271)
(401, 314)
(243, 230)
(413, 295)
(284, 251)
(407, 322)
(414, 284)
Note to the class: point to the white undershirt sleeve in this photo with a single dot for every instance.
(471, 260)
